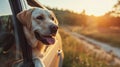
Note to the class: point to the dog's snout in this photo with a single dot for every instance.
(53, 29)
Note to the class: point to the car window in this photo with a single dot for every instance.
(7, 55)
(27, 6)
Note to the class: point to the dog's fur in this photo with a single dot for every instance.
(38, 20)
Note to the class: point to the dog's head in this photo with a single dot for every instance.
(42, 22)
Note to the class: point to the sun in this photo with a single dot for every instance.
(96, 7)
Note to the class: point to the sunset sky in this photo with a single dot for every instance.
(92, 7)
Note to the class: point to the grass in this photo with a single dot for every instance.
(111, 38)
(76, 55)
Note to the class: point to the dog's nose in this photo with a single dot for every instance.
(53, 29)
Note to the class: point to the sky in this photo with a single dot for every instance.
(5, 7)
(92, 7)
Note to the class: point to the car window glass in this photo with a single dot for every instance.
(5, 8)
(7, 51)
(27, 6)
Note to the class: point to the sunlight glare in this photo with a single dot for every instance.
(92, 7)
(97, 7)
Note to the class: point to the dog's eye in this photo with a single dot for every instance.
(52, 18)
(40, 17)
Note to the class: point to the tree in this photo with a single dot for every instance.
(116, 9)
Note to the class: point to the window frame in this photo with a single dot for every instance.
(16, 7)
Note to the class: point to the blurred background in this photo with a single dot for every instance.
(90, 30)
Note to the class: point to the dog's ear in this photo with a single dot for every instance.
(25, 18)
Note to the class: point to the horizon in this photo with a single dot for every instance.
(80, 5)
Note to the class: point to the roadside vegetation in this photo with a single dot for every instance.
(109, 37)
(76, 55)
(112, 39)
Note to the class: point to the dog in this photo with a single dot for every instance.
(40, 28)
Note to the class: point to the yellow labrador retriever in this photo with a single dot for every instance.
(40, 27)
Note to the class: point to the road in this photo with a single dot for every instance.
(101, 50)
(104, 46)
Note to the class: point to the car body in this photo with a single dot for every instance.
(53, 55)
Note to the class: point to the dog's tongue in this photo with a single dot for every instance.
(49, 40)
(46, 40)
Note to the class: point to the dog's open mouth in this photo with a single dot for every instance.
(48, 40)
